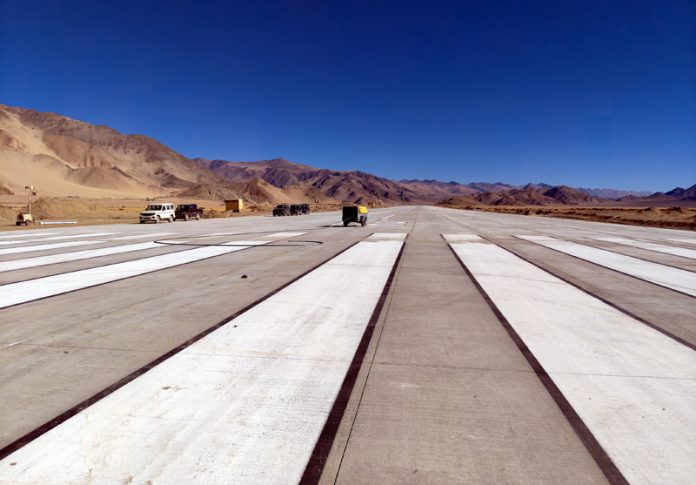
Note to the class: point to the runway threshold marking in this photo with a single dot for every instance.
(244, 404)
(47, 247)
(74, 256)
(30, 290)
(633, 387)
(649, 246)
(684, 240)
(139, 236)
(674, 278)
(15, 241)
(26, 234)
(76, 236)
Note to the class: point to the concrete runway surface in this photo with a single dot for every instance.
(431, 346)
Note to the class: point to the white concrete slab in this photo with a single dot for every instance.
(26, 291)
(667, 276)
(26, 234)
(684, 240)
(244, 404)
(54, 238)
(284, 235)
(74, 256)
(649, 246)
(388, 236)
(461, 237)
(14, 241)
(142, 236)
(47, 247)
(634, 387)
(76, 236)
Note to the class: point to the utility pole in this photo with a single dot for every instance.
(30, 192)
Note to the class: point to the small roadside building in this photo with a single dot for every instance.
(234, 205)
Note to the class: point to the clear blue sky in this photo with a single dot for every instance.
(585, 93)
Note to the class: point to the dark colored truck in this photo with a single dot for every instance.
(188, 212)
(296, 210)
(305, 209)
(281, 210)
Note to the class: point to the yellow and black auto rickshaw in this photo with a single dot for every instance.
(354, 213)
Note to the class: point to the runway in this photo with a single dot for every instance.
(431, 346)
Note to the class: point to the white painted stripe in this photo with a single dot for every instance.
(140, 236)
(15, 241)
(77, 236)
(245, 404)
(388, 236)
(46, 247)
(57, 238)
(25, 291)
(649, 246)
(284, 235)
(684, 240)
(634, 387)
(461, 237)
(667, 276)
(24, 234)
(74, 256)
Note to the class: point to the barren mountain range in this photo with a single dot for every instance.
(66, 157)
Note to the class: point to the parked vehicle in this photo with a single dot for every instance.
(24, 219)
(281, 210)
(157, 213)
(188, 212)
(354, 213)
(296, 210)
(305, 209)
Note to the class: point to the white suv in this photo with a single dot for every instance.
(158, 213)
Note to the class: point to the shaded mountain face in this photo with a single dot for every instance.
(353, 187)
(612, 193)
(677, 196)
(530, 194)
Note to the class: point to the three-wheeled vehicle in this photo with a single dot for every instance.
(354, 213)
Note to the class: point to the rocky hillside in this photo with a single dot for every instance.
(355, 186)
(525, 196)
(63, 157)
